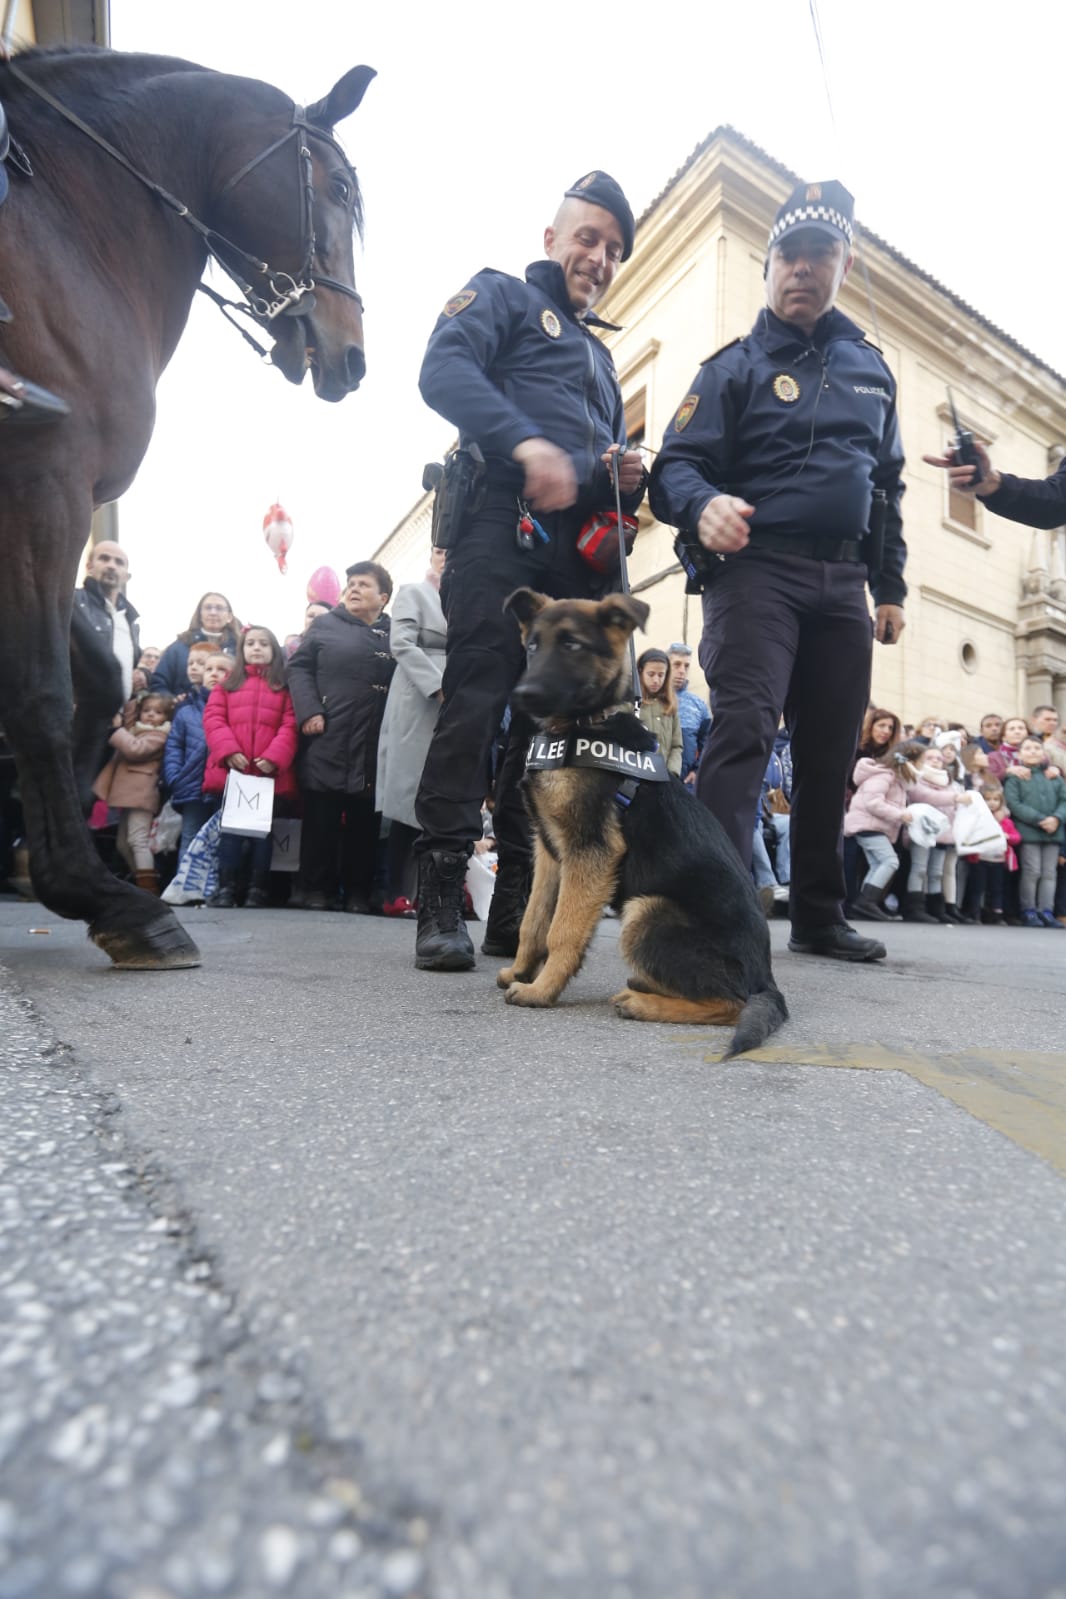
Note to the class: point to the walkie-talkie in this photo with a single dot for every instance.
(965, 448)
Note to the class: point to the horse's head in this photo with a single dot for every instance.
(295, 203)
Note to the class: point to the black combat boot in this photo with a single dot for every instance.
(225, 896)
(258, 894)
(508, 906)
(442, 943)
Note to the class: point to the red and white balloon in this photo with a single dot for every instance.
(277, 530)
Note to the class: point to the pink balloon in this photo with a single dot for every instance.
(323, 587)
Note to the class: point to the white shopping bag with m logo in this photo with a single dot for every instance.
(247, 804)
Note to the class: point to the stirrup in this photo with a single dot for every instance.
(28, 401)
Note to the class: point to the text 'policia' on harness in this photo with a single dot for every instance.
(268, 293)
(582, 747)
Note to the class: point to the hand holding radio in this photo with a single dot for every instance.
(966, 461)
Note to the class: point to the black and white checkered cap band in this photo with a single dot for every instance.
(810, 213)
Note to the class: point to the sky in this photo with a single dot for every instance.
(945, 124)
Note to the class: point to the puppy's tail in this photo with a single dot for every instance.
(761, 1016)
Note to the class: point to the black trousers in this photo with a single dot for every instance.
(786, 633)
(338, 842)
(485, 659)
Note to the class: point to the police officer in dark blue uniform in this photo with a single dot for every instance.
(517, 367)
(772, 463)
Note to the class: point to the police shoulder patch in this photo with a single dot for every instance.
(685, 412)
(550, 323)
(459, 302)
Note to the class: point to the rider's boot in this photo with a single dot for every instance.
(22, 399)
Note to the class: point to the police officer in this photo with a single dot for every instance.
(1038, 502)
(517, 367)
(771, 462)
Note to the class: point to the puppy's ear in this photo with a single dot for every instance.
(622, 610)
(525, 604)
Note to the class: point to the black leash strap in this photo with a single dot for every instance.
(623, 564)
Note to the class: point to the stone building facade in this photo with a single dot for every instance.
(987, 607)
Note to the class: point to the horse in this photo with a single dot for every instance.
(127, 172)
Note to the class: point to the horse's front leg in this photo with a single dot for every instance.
(132, 927)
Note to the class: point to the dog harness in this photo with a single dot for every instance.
(550, 751)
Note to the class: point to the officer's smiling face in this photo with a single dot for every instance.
(587, 242)
(804, 275)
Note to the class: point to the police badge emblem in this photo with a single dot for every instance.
(814, 191)
(459, 302)
(786, 388)
(583, 183)
(685, 412)
(550, 323)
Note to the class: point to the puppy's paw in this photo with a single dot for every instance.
(506, 977)
(530, 995)
(632, 1007)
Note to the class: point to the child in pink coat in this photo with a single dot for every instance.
(877, 811)
(130, 781)
(250, 726)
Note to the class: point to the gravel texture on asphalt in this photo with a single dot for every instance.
(148, 1450)
(583, 1313)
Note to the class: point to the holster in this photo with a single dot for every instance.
(700, 566)
(460, 488)
(873, 542)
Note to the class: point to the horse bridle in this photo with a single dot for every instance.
(268, 292)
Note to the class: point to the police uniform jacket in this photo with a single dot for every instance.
(341, 671)
(510, 360)
(1038, 502)
(803, 429)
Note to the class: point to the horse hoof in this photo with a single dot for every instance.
(162, 946)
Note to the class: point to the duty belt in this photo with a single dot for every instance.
(813, 546)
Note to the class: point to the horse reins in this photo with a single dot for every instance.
(288, 295)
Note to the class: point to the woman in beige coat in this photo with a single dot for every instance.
(130, 781)
(658, 708)
(417, 640)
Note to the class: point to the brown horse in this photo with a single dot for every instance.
(141, 167)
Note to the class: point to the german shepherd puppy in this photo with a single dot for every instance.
(693, 931)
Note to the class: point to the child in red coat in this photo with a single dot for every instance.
(250, 726)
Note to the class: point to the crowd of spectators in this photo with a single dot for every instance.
(341, 716)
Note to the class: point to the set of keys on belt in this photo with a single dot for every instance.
(528, 530)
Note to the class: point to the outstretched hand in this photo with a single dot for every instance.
(962, 476)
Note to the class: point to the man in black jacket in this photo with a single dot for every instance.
(516, 366)
(104, 648)
(772, 462)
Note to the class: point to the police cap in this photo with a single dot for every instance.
(599, 188)
(827, 207)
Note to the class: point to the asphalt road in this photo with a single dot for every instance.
(321, 1276)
